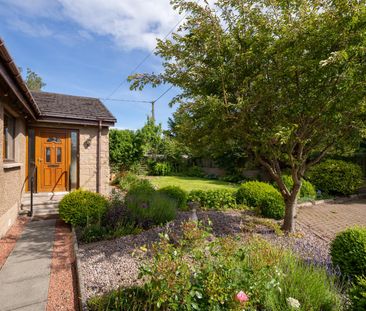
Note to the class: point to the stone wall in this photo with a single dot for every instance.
(12, 176)
(88, 159)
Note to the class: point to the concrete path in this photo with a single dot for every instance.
(326, 220)
(25, 277)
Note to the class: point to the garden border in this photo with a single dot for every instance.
(79, 277)
(335, 200)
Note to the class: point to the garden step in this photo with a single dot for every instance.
(44, 209)
(45, 205)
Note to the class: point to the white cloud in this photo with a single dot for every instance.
(131, 24)
(33, 30)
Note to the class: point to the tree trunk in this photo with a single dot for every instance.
(289, 223)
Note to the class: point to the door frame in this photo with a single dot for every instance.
(37, 151)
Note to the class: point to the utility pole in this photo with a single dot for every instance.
(153, 111)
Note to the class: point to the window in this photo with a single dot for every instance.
(74, 160)
(9, 135)
(59, 155)
(48, 154)
(54, 140)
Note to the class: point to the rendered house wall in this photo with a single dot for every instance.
(12, 180)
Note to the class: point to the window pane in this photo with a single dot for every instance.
(59, 154)
(9, 129)
(48, 154)
(54, 140)
(74, 160)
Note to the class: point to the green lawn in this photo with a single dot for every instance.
(190, 183)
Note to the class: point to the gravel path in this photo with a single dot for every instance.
(108, 265)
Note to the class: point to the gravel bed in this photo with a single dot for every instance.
(108, 265)
(62, 291)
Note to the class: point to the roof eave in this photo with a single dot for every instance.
(75, 121)
(12, 76)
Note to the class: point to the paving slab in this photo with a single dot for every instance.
(326, 220)
(25, 277)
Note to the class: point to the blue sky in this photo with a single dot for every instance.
(88, 47)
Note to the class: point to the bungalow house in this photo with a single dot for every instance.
(59, 140)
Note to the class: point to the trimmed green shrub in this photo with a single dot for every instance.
(202, 273)
(336, 177)
(307, 189)
(348, 251)
(149, 208)
(357, 294)
(214, 199)
(161, 169)
(262, 196)
(177, 194)
(81, 207)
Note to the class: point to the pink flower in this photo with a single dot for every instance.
(241, 297)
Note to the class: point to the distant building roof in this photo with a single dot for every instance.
(60, 106)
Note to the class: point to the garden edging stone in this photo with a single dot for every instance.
(79, 276)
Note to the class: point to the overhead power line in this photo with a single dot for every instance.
(163, 93)
(126, 100)
(146, 57)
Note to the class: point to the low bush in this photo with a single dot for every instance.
(234, 178)
(143, 186)
(336, 177)
(357, 294)
(214, 199)
(127, 180)
(176, 194)
(161, 169)
(348, 251)
(97, 232)
(139, 169)
(202, 273)
(266, 198)
(93, 233)
(117, 212)
(307, 190)
(115, 222)
(194, 171)
(131, 299)
(81, 208)
(147, 209)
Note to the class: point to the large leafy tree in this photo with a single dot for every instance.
(286, 79)
(125, 149)
(151, 136)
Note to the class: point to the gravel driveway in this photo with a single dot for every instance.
(110, 264)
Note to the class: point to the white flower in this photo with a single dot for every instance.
(293, 303)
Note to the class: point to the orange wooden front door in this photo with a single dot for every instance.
(52, 159)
